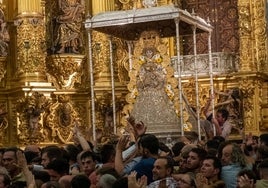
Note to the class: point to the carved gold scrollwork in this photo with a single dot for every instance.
(2, 67)
(60, 120)
(30, 111)
(129, 4)
(31, 46)
(65, 70)
(245, 30)
(248, 89)
(3, 122)
(100, 54)
(4, 35)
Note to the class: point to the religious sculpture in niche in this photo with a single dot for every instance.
(4, 36)
(30, 112)
(152, 85)
(104, 115)
(60, 119)
(69, 37)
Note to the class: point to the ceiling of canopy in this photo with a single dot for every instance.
(130, 24)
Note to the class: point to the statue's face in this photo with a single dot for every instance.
(149, 53)
(34, 122)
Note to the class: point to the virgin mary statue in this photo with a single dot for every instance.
(153, 105)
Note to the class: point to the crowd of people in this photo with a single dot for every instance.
(139, 160)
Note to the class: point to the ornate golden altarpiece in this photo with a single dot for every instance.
(45, 83)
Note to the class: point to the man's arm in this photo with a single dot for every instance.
(121, 145)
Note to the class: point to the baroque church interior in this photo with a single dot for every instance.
(92, 64)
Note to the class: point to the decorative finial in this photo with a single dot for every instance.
(149, 3)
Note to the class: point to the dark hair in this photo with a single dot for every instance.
(41, 175)
(30, 155)
(214, 144)
(18, 184)
(12, 149)
(59, 165)
(122, 182)
(163, 147)
(107, 151)
(52, 184)
(216, 163)
(108, 170)
(149, 142)
(220, 139)
(53, 152)
(224, 113)
(263, 164)
(72, 151)
(212, 152)
(80, 181)
(176, 148)
(262, 152)
(2, 150)
(87, 154)
(264, 139)
(201, 153)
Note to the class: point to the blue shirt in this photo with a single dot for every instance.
(145, 167)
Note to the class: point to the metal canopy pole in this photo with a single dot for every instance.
(177, 22)
(196, 84)
(211, 79)
(112, 82)
(92, 85)
(129, 44)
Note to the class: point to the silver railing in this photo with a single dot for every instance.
(223, 63)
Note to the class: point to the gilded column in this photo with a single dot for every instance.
(103, 73)
(245, 32)
(251, 102)
(29, 6)
(100, 44)
(102, 6)
(260, 35)
(30, 43)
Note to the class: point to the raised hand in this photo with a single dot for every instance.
(201, 180)
(122, 143)
(245, 182)
(134, 183)
(22, 162)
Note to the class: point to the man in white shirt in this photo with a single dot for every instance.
(221, 123)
